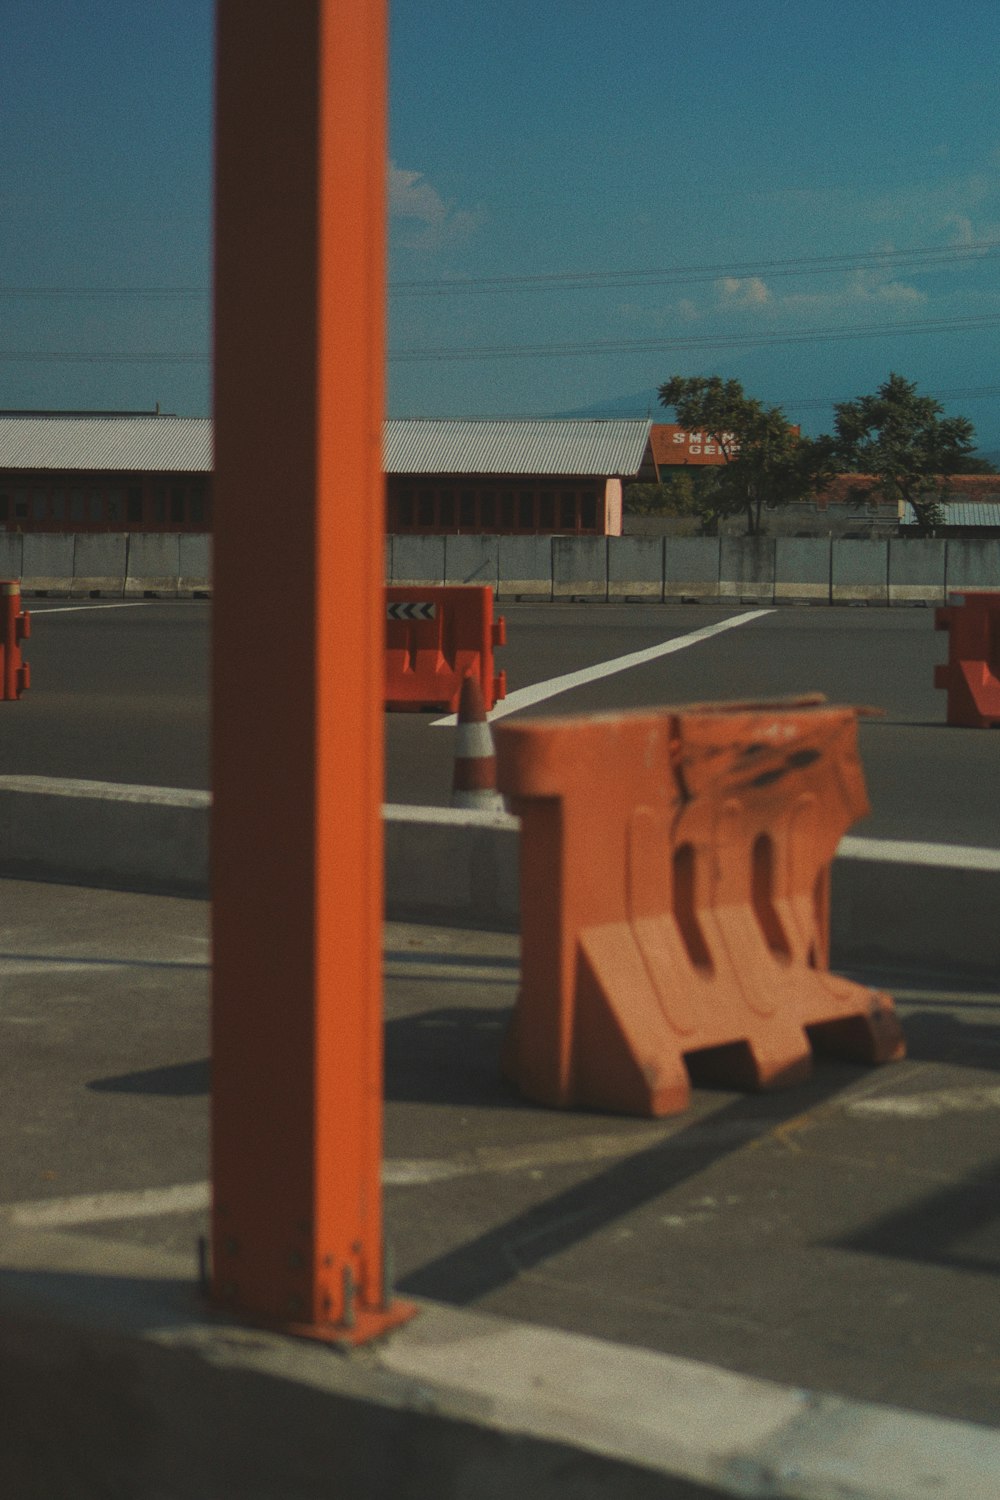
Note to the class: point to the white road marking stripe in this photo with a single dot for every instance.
(93, 1208)
(903, 852)
(928, 1106)
(68, 609)
(191, 1197)
(539, 692)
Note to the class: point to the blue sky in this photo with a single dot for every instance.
(766, 189)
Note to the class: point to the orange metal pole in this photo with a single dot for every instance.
(298, 660)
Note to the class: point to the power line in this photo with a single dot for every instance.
(98, 357)
(920, 258)
(926, 258)
(957, 393)
(591, 347)
(151, 293)
(595, 347)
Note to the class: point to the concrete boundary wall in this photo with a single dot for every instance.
(154, 565)
(691, 568)
(194, 566)
(859, 572)
(758, 570)
(746, 569)
(100, 565)
(895, 902)
(472, 559)
(917, 571)
(635, 568)
(47, 563)
(11, 555)
(972, 565)
(580, 567)
(801, 570)
(418, 561)
(525, 567)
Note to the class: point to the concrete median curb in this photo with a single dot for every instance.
(894, 902)
(177, 1401)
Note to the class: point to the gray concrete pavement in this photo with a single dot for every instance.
(841, 1236)
(120, 695)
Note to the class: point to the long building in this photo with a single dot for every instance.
(150, 472)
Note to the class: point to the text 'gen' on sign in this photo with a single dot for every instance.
(411, 611)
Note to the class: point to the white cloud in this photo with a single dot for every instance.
(412, 197)
(863, 288)
(743, 291)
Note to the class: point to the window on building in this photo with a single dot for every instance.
(488, 511)
(57, 503)
(76, 506)
(567, 510)
(177, 505)
(159, 505)
(20, 505)
(547, 511)
(506, 518)
(446, 510)
(425, 508)
(133, 506)
(588, 511)
(4, 509)
(95, 507)
(39, 505)
(196, 505)
(116, 506)
(526, 510)
(467, 510)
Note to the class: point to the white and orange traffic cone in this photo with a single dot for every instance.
(474, 783)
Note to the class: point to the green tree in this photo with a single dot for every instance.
(904, 441)
(766, 462)
(685, 492)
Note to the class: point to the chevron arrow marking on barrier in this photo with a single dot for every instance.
(411, 611)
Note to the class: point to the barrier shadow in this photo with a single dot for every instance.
(76, 961)
(496, 1258)
(449, 1056)
(937, 1035)
(175, 1081)
(956, 1228)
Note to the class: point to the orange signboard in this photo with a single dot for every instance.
(676, 445)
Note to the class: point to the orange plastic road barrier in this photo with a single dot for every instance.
(297, 887)
(15, 627)
(971, 675)
(675, 903)
(434, 638)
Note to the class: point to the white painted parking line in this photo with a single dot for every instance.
(539, 692)
(904, 852)
(95, 1208)
(928, 1106)
(68, 609)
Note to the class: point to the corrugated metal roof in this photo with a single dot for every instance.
(961, 513)
(116, 443)
(411, 446)
(424, 446)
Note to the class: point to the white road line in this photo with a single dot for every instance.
(68, 609)
(903, 852)
(193, 1197)
(928, 1106)
(539, 692)
(93, 1208)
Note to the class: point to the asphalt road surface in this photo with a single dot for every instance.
(121, 694)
